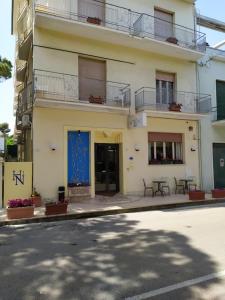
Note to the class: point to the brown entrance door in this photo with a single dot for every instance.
(92, 79)
(106, 168)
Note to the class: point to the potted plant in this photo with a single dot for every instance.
(20, 209)
(94, 20)
(36, 198)
(56, 207)
(218, 193)
(175, 106)
(96, 100)
(79, 189)
(196, 195)
(172, 39)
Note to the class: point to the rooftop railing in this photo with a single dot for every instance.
(74, 89)
(123, 19)
(170, 100)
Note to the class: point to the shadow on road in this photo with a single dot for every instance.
(105, 258)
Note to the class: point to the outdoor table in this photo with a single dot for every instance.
(159, 182)
(186, 181)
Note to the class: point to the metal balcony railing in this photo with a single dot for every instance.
(218, 113)
(124, 19)
(24, 24)
(170, 100)
(25, 100)
(74, 89)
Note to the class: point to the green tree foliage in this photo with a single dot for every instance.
(5, 69)
(4, 127)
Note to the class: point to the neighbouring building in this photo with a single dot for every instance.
(211, 70)
(106, 94)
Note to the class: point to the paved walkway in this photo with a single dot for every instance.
(102, 205)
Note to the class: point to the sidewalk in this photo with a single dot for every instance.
(102, 205)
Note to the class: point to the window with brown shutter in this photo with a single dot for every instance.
(91, 11)
(165, 148)
(163, 24)
(92, 79)
(165, 88)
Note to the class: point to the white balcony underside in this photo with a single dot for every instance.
(81, 106)
(174, 115)
(113, 36)
(220, 123)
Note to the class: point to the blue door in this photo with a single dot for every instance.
(78, 157)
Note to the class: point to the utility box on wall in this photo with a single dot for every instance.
(17, 180)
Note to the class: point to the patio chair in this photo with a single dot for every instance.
(165, 186)
(147, 188)
(192, 185)
(179, 186)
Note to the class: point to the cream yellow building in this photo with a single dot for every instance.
(107, 95)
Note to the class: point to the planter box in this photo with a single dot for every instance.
(93, 20)
(196, 195)
(20, 212)
(172, 40)
(96, 100)
(218, 193)
(56, 209)
(36, 201)
(79, 191)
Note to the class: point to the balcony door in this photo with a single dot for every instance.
(91, 11)
(165, 88)
(163, 24)
(220, 95)
(92, 80)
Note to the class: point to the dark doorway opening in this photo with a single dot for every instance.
(219, 165)
(106, 169)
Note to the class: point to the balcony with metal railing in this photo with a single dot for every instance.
(218, 115)
(65, 90)
(24, 28)
(25, 100)
(115, 24)
(164, 100)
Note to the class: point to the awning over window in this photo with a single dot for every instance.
(164, 137)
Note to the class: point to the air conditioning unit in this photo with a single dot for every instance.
(26, 120)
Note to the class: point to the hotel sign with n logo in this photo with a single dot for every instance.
(17, 180)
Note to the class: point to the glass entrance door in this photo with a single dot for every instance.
(106, 168)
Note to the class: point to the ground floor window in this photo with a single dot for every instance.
(165, 148)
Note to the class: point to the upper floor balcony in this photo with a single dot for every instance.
(53, 89)
(24, 31)
(114, 24)
(25, 101)
(171, 102)
(218, 115)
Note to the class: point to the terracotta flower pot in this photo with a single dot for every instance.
(93, 20)
(196, 195)
(95, 100)
(20, 212)
(36, 201)
(218, 193)
(172, 40)
(56, 209)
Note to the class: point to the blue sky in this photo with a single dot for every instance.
(214, 9)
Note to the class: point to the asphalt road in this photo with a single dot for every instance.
(174, 254)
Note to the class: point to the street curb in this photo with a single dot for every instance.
(94, 214)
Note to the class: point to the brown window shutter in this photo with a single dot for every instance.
(92, 78)
(164, 137)
(163, 24)
(165, 76)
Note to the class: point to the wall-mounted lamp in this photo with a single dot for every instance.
(193, 148)
(137, 148)
(53, 147)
